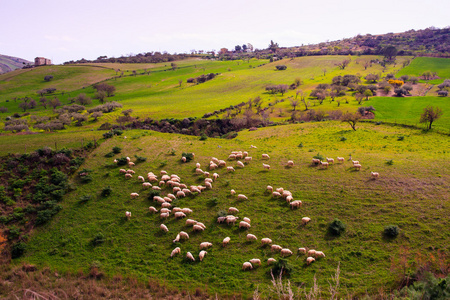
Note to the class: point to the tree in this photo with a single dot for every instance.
(372, 78)
(273, 46)
(430, 114)
(32, 104)
(174, 66)
(101, 95)
(283, 88)
(351, 118)
(55, 102)
(390, 52)
(44, 102)
(82, 99)
(127, 112)
(244, 47)
(180, 81)
(48, 77)
(294, 103)
(24, 106)
(359, 97)
(237, 48)
(343, 64)
(368, 93)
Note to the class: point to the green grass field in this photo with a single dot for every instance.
(411, 193)
(422, 64)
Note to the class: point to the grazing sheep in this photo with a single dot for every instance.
(246, 220)
(290, 163)
(251, 237)
(177, 239)
(128, 176)
(165, 210)
(152, 178)
(208, 185)
(186, 210)
(180, 215)
(269, 188)
(230, 169)
(251, 146)
(201, 224)
(162, 183)
(355, 162)
(245, 154)
(319, 254)
(115, 161)
(266, 241)
(175, 209)
(222, 163)
(324, 164)
(146, 185)
(205, 245)
(221, 219)
(305, 220)
(131, 164)
(198, 228)
(141, 178)
(213, 166)
(128, 159)
(231, 219)
(330, 160)
(315, 161)
(255, 261)
(225, 241)
(233, 210)
(374, 174)
(340, 159)
(156, 188)
(239, 155)
(165, 177)
(276, 194)
(215, 176)
(128, 214)
(275, 248)
(244, 224)
(296, 204)
(186, 191)
(167, 199)
(184, 235)
(130, 172)
(190, 256)
(197, 165)
(312, 252)
(152, 209)
(164, 227)
(198, 171)
(289, 199)
(214, 160)
(242, 197)
(134, 195)
(163, 172)
(209, 180)
(271, 261)
(280, 190)
(247, 159)
(357, 167)
(181, 194)
(302, 250)
(195, 190)
(240, 164)
(246, 266)
(158, 199)
(265, 156)
(202, 255)
(175, 251)
(164, 215)
(233, 192)
(232, 156)
(286, 194)
(285, 252)
(122, 171)
(183, 159)
(310, 260)
(266, 167)
(190, 222)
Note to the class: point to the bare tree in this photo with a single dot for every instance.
(351, 118)
(343, 64)
(324, 70)
(294, 103)
(430, 114)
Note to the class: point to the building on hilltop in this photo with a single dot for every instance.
(42, 61)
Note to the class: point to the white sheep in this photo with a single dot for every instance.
(165, 177)
(152, 209)
(245, 154)
(286, 193)
(232, 210)
(289, 199)
(266, 167)
(183, 159)
(208, 185)
(247, 159)
(290, 163)
(156, 188)
(131, 164)
(128, 159)
(215, 176)
(175, 209)
(266, 241)
(163, 172)
(302, 250)
(276, 195)
(195, 190)
(315, 161)
(198, 171)
(209, 180)
(271, 261)
(168, 200)
(180, 215)
(202, 255)
(175, 251)
(355, 162)
(269, 188)
(246, 266)
(324, 164)
(130, 172)
(265, 156)
(374, 174)
(305, 220)
(231, 219)
(242, 197)
(205, 245)
(244, 224)
(184, 235)
(296, 204)
(251, 237)
(214, 160)
(128, 176)
(222, 163)
(186, 210)
(275, 248)
(198, 228)
(312, 252)
(247, 220)
(190, 222)
(357, 166)
(122, 171)
(230, 169)
(285, 252)
(134, 195)
(201, 224)
(128, 214)
(165, 210)
(152, 178)
(186, 191)
(164, 227)
(181, 194)
(213, 166)
(221, 219)
(232, 156)
(141, 178)
(340, 159)
(164, 215)
(330, 160)
(225, 241)
(190, 256)
(146, 185)
(233, 192)
(115, 161)
(310, 260)
(240, 164)
(255, 261)
(279, 190)
(319, 254)
(251, 146)
(197, 165)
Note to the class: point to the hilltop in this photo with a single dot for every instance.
(10, 63)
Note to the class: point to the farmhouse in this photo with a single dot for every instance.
(42, 61)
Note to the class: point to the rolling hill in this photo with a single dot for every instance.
(10, 63)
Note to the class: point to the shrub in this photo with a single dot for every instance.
(116, 150)
(319, 156)
(281, 67)
(212, 202)
(122, 161)
(391, 231)
(18, 249)
(140, 159)
(281, 267)
(400, 138)
(152, 194)
(13, 233)
(84, 198)
(443, 93)
(203, 137)
(109, 154)
(86, 178)
(342, 138)
(390, 162)
(98, 239)
(106, 191)
(221, 213)
(48, 77)
(189, 156)
(336, 227)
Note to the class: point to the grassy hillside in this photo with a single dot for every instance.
(422, 64)
(10, 63)
(411, 193)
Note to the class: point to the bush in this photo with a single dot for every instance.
(282, 267)
(390, 162)
(212, 202)
(106, 191)
(84, 198)
(109, 154)
(116, 150)
(152, 194)
(319, 156)
(140, 159)
(98, 239)
(122, 161)
(18, 249)
(281, 67)
(189, 156)
(342, 138)
(336, 227)
(222, 213)
(391, 231)
(48, 77)
(203, 137)
(400, 138)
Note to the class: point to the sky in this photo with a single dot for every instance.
(64, 30)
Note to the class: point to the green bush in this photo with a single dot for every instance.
(98, 239)
(152, 194)
(140, 159)
(18, 249)
(390, 162)
(319, 156)
(212, 202)
(189, 156)
(343, 138)
(336, 228)
(122, 161)
(106, 191)
(400, 138)
(222, 213)
(283, 267)
(109, 154)
(84, 198)
(116, 150)
(203, 137)
(391, 231)
(13, 233)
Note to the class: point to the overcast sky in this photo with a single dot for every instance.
(64, 30)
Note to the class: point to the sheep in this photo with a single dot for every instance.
(276, 195)
(269, 188)
(266, 167)
(340, 159)
(213, 166)
(159, 199)
(184, 235)
(244, 224)
(315, 161)
(128, 159)
(141, 178)
(330, 160)
(357, 167)
(167, 199)
(131, 164)
(128, 214)
(265, 156)
(231, 219)
(247, 220)
(230, 169)
(319, 254)
(181, 194)
(198, 171)
(266, 241)
(374, 174)
(222, 163)
(198, 228)
(209, 180)
(195, 190)
(175, 209)
(128, 176)
(302, 250)
(285, 252)
(290, 163)
(190, 256)
(190, 222)
(286, 194)
(186, 210)
(186, 191)
(221, 219)
(175, 251)
(245, 154)
(324, 164)
(251, 237)
(305, 220)
(163, 172)
(247, 265)
(201, 224)
(225, 241)
(247, 159)
(180, 215)
(115, 161)
(289, 199)
(205, 245)
(275, 248)
(164, 227)
(202, 255)
(165, 210)
(156, 188)
(215, 176)
(280, 190)
(152, 209)
(255, 261)
(197, 165)
(146, 185)
(239, 155)
(165, 177)
(152, 178)
(183, 159)
(251, 146)
(271, 261)
(232, 210)
(214, 160)
(130, 172)
(208, 185)
(134, 195)
(242, 197)
(312, 252)
(295, 204)
(233, 192)
(232, 156)
(164, 215)
(310, 260)
(240, 164)
(177, 239)
(355, 162)
(122, 171)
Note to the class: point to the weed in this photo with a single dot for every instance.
(390, 162)
(400, 138)
(336, 227)
(391, 231)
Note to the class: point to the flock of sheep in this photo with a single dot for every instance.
(180, 190)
